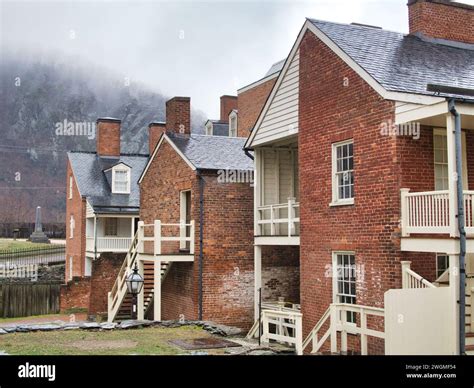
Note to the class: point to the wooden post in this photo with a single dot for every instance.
(141, 298)
(141, 235)
(191, 243)
(157, 291)
(272, 224)
(299, 335)
(333, 328)
(404, 212)
(291, 216)
(363, 337)
(343, 331)
(452, 175)
(405, 265)
(257, 278)
(157, 238)
(454, 286)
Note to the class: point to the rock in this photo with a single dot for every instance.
(22, 329)
(89, 325)
(3, 331)
(108, 326)
(9, 329)
(45, 327)
(198, 353)
(130, 324)
(3, 353)
(71, 326)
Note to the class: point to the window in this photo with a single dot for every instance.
(110, 227)
(70, 267)
(233, 124)
(343, 173)
(72, 225)
(442, 264)
(70, 187)
(121, 180)
(440, 147)
(209, 130)
(344, 280)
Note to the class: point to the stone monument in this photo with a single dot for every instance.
(38, 235)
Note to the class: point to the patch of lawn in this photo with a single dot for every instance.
(146, 341)
(10, 245)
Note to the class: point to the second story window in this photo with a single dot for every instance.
(110, 226)
(343, 173)
(70, 187)
(440, 145)
(121, 180)
(233, 124)
(72, 225)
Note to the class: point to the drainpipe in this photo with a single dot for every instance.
(462, 231)
(201, 233)
(247, 152)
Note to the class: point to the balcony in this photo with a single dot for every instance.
(109, 244)
(429, 221)
(279, 219)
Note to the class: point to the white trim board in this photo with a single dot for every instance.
(171, 143)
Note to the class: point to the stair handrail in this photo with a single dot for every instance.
(410, 279)
(313, 334)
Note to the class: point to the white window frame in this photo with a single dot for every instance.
(70, 186)
(443, 132)
(335, 288)
(232, 119)
(209, 129)
(71, 266)
(437, 267)
(108, 220)
(336, 201)
(72, 225)
(121, 168)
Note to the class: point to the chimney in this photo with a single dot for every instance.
(178, 115)
(441, 19)
(108, 136)
(155, 130)
(228, 103)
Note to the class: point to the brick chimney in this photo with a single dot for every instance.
(442, 19)
(228, 103)
(178, 115)
(155, 130)
(108, 136)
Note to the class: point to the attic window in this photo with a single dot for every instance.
(233, 124)
(209, 129)
(121, 180)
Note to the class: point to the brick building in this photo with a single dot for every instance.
(355, 165)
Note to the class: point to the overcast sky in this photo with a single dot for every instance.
(189, 48)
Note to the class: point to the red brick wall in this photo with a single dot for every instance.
(228, 104)
(155, 130)
(178, 114)
(75, 247)
(370, 227)
(75, 294)
(177, 293)
(250, 103)
(108, 137)
(104, 273)
(281, 273)
(442, 19)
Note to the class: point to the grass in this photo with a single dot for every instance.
(146, 341)
(10, 245)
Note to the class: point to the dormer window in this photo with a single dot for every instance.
(233, 124)
(121, 179)
(209, 129)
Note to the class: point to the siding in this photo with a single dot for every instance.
(282, 114)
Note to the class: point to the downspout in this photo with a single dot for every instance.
(201, 234)
(461, 227)
(248, 154)
(95, 237)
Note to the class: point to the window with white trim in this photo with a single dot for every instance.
(110, 227)
(72, 225)
(442, 264)
(343, 172)
(440, 148)
(344, 280)
(121, 180)
(70, 187)
(70, 267)
(233, 124)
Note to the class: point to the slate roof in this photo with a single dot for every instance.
(213, 152)
(94, 184)
(220, 128)
(276, 67)
(401, 62)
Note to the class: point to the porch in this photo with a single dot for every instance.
(109, 233)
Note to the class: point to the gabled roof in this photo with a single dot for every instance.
(397, 66)
(203, 152)
(276, 67)
(401, 62)
(90, 174)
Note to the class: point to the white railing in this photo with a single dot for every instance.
(279, 223)
(469, 211)
(429, 212)
(109, 244)
(158, 238)
(334, 321)
(288, 328)
(410, 279)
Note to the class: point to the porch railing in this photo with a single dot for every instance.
(109, 244)
(429, 212)
(410, 279)
(272, 220)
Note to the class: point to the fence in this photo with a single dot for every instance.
(21, 300)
